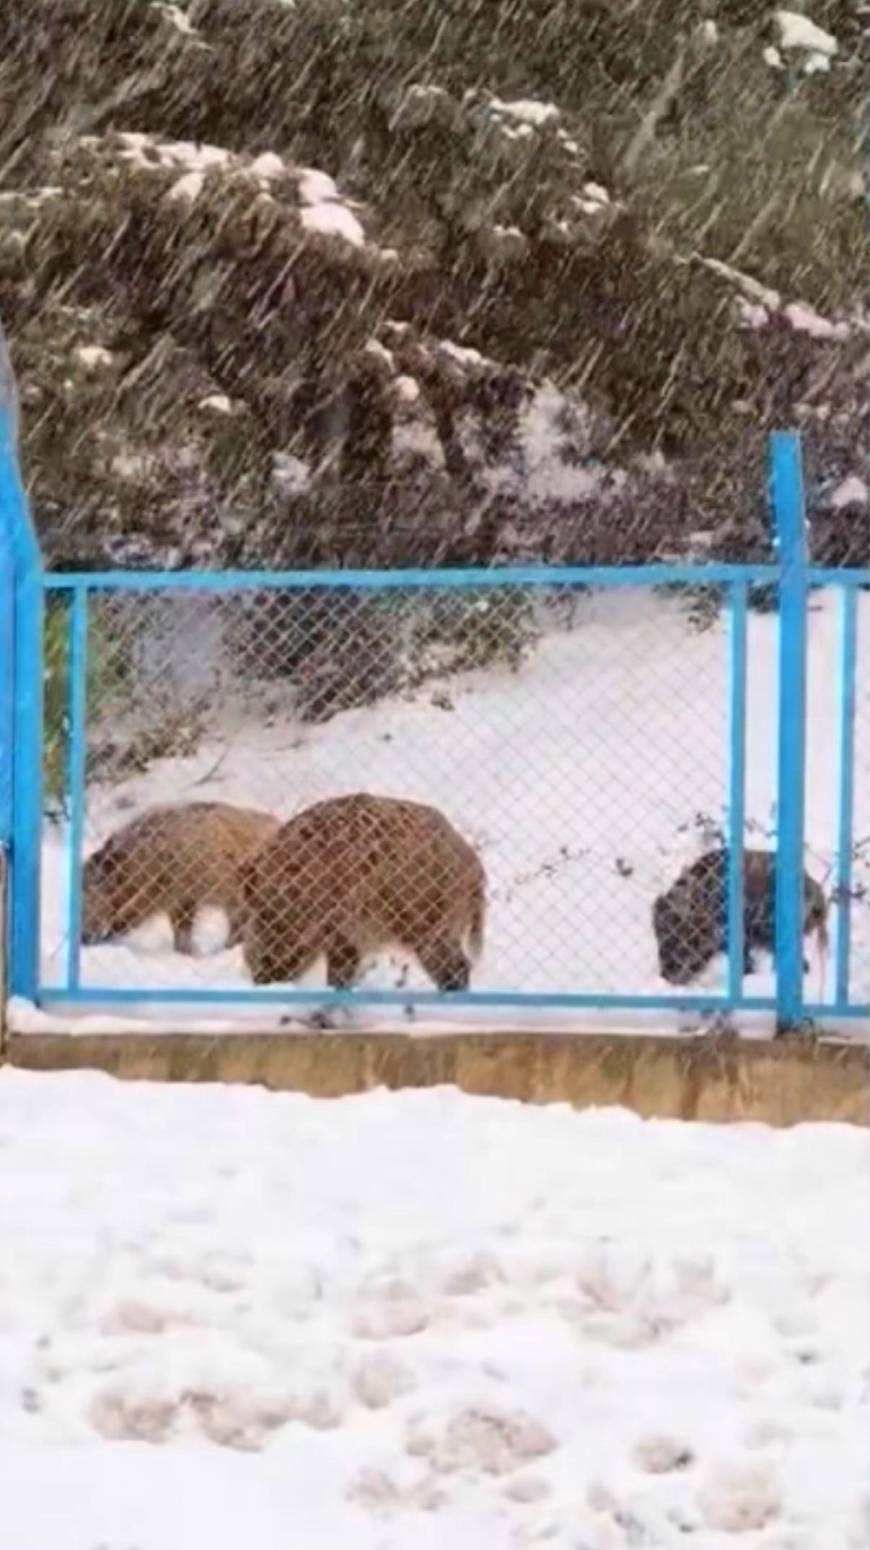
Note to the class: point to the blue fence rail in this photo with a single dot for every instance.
(22, 670)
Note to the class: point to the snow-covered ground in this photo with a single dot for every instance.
(586, 780)
(405, 1321)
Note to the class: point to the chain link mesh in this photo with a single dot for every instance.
(847, 543)
(555, 752)
(856, 893)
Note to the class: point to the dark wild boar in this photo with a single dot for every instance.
(691, 920)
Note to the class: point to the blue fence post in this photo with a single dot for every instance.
(27, 781)
(77, 682)
(737, 788)
(787, 495)
(7, 669)
(846, 788)
(18, 538)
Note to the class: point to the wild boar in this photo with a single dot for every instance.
(353, 875)
(691, 920)
(171, 859)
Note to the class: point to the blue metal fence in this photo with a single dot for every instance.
(791, 575)
(21, 699)
(787, 501)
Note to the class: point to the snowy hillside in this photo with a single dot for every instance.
(586, 780)
(237, 1318)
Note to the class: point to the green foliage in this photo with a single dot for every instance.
(476, 628)
(342, 650)
(766, 187)
(746, 164)
(105, 676)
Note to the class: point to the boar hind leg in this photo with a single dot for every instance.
(182, 917)
(445, 963)
(235, 927)
(342, 964)
(278, 962)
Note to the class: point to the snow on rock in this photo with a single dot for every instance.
(526, 111)
(551, 428)
(185, 1269)
(94, 357)
(321, 210)
(267, 166)
(176, 18)
(290, 473)
(147, 150)
(546, 473)
(188, 188)
(379, 355)
(32, 201)
(799, 32)
(315, 187)
(333, 220)
(756, 303)
(595, 195)
(852, 492)
(753, 290)
(418, 93)
(505, 243)
(807, 321)
(461, 355)
(407, 390)
(422, 104)
(751, 314)
(817, 64)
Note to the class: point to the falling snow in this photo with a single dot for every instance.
(294, 283)
(217, 203)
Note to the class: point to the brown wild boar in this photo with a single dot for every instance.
(174, 859)
(353, 875)
(691, 919)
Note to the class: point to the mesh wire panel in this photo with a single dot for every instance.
(549, 758)
(859, 891)
(841, 537)
(837, 817)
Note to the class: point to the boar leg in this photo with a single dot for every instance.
(235, 926)
(278, 962)
(182, 917)
(342, 964)
(445, 963)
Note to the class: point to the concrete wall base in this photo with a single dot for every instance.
(778, 1082)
